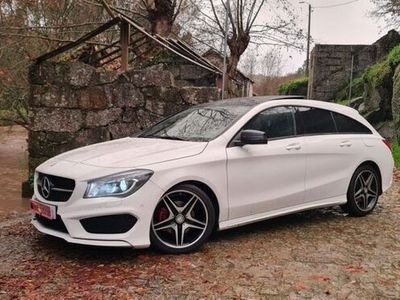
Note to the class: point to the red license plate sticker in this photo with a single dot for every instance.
(44, 210)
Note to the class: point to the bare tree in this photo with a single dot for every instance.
(389, 10)
(259, 22)
(272, 63)
(162, 14)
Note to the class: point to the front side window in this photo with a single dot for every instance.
(276, 122)
(347, 125)
(310, 120)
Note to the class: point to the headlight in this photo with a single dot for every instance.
(118, 185)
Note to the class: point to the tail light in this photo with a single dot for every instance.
(387, 143)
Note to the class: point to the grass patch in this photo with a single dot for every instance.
(396, 153)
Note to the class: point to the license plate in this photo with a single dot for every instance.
(44, 210)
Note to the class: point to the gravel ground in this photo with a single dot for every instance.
(321, 254)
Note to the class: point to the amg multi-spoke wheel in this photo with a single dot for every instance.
(183, 220)
(363, 192)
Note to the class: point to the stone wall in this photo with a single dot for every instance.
(73, 105)
(331, 64)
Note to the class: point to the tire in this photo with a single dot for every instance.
(363, 192)
(183, 220)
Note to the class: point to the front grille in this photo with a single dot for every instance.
(57, 224)
(54, 188)
(112, 224)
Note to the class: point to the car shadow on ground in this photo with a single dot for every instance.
(60, 249)
(283, 223)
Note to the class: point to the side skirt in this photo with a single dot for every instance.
(281, 212)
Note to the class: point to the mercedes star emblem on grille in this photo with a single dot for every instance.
(46, 187)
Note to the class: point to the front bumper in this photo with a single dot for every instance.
(140, 205)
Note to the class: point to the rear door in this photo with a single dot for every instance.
(331, 154)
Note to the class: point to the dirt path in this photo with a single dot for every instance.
(13, 168)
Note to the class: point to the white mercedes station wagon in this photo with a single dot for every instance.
(212, 167)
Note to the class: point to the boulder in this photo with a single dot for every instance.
(152, 76)
(90, 136)
(57, 120)
(356, 102)
(131, 96)
(53, 96)
(102, 117)
(121, 130)
(378, 92)
(192, 72)
(396, 96)
(49, 72)
(197, 95)
(387, 130)
(93, 98)
(80, 74)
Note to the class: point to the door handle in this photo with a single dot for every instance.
(346, 144)
(293, 147)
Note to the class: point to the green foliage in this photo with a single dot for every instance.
(396, 152)
(393, 57)
(345, 102)
(357, 90)
(294, 87)
(376, 74)
(14, 115)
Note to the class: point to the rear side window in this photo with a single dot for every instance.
(348, 125)
(310, 120)
(276, 122)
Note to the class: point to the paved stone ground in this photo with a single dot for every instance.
(321, 254)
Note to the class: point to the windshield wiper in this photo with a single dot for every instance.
(165, 137)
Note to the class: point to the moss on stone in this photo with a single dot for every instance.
(294, 87)
(376, 74)
(393, 57)
(396, 152)
(357, 90)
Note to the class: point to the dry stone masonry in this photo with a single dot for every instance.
(73, 104)
(331, 64)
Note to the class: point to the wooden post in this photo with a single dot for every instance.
(125, 34)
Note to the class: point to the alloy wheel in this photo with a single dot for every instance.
(180, 219)
(366, 190)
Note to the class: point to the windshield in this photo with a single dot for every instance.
(201, 123)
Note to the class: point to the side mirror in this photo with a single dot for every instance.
(252, 137)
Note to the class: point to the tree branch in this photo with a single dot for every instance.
(216, 17)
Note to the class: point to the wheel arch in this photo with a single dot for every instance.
(375, 166)
(210, 193)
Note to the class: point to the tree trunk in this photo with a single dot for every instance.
(237, 45)
(161, 16)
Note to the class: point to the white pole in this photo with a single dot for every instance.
(225, 49)
(308, 53)
(351, 74)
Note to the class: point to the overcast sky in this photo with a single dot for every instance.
(347, 24)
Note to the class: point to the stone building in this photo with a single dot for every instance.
(332, 65)
(102, 93)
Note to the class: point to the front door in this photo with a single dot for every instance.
(267, 177)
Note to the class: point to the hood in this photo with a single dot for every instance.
(132, 152)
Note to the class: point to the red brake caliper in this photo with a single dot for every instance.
(162, 214)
